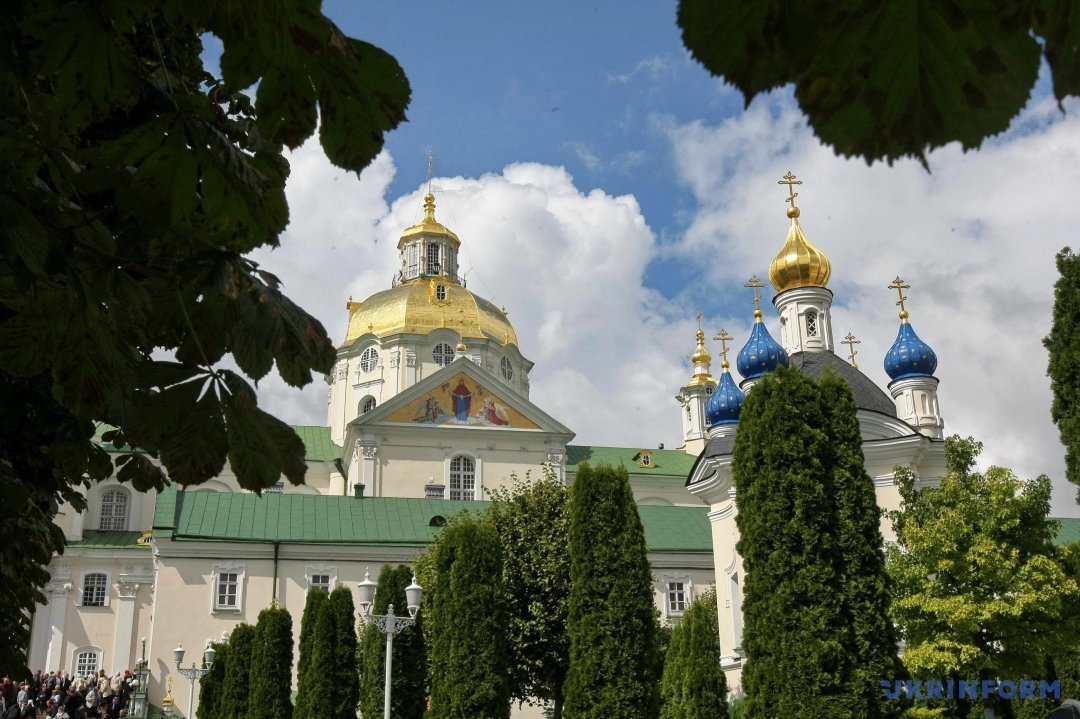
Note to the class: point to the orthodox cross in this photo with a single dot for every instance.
(723, 338)
(790, 181)
(756, 284)
(850, 341)
(899, 286)
(699, 319)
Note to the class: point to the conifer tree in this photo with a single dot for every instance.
(271, 666)
(320, 680)
(816, 632)
(408, 696)
(1063, 345)
(316, 598)
(704, 686)
(236, 685)
(342, 665)
(614, 657)
(671, 680)
(212, 684)
(469, 654)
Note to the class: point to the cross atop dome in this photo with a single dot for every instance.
(899, 286)
(790, 181)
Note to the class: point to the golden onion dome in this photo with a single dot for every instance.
(415, 307)
(701, 355)
(428, 226)
(799, 263)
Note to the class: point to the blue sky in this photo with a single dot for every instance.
(605, 186)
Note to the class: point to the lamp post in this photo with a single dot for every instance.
(194, 673)
(389, 624)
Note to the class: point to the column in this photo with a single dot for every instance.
(125, 625)
(58, 600)
(368, 451)
(78, 522)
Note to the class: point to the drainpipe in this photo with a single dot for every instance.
(274, 598)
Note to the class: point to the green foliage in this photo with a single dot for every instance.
(132, 184)
(532, 518)
(614, 659)
(894, 79)
(469, 653)
(672, 704)
(980, 590)
(212, 684)
(408, 692)
(1063, 345)
(693, 684)
(271, 667)
(306, 705)
(816, 633)
(736, 708)
(236, 685)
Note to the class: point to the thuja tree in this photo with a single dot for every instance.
(236, 683)
(212, 684)
(408, 695)
(693, 684)
(612, 622)
(533, 521)
(271, 666)
(342, 665)
(1063, 345)
(316, 598)
(469, 655)
(981, 592)
(815, 586)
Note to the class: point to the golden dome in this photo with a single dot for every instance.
(428, 226)
(799, 263)
(701, 355)
(415, 307)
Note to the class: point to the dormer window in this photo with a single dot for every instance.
(440, 292)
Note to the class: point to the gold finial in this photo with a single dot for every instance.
(756, 284)
(168, 700)
(460, 347)
(899, 286)
(429, 207)
(850, 341)
(790, 181)
(699, 320)
(701, 356)
(723, 338)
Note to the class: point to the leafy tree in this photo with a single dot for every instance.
(815, 590)
(271, 667)
(307, 701)
(212, 684)
(533, 522)
(980, 590)
(894, 79)
(133, 185)
(469, 653)
(236, 684)
(1063, 345)
(693, 684)
(408, 695)
(614, 659)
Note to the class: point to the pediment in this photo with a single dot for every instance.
(462, 395)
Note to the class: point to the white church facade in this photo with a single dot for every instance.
(428, 408)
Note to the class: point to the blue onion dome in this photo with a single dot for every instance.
(761, 354)
(726, 401)
(909, 356)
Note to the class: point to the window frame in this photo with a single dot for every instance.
(412, 266)
(471, 475)
(364, 409)
(84, 650)
(218, 572)
(812, 328)
(329, 571)
(104, 587)
(369, 360)
(117, 523)
(686, 589)
(506, 369)
(440, 357)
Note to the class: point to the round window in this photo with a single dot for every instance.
(369, 359)
(507, 368)
(443, 354)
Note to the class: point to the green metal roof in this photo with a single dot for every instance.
(1069, 531)
(110, 540)
(319, 519)
(666, 462)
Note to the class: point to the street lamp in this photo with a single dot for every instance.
(389, 624)
(194, 673)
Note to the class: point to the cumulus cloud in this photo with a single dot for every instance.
(976, 240)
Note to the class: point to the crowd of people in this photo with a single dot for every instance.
(59, 695)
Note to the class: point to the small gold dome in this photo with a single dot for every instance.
(414, 307)
(428, 226)
(799, 263)
(701, 355)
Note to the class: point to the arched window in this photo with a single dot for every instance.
(811, 324)
(369, 359)
(114, 511)
(462, 478)
(95, 589)
(507, 368)
(440, 292)
(367, 405)
(87, 661)
(443, 354)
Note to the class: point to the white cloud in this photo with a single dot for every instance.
(653, 69)
(976, 239)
